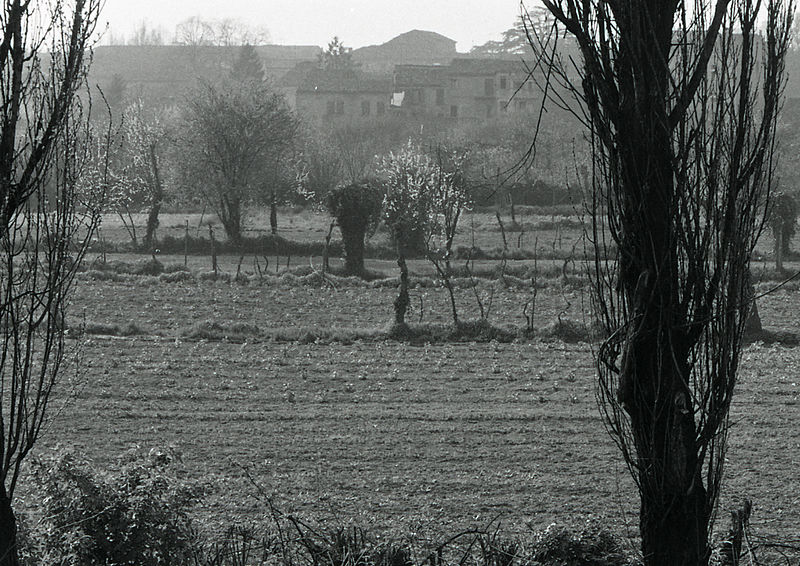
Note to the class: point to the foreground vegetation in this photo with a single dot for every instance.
(278, 411)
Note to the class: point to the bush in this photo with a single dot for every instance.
(139, 515)
(104, 329)
(149, 267)
(216, 331)
(479, 330)
(571, 331)
(176, 277)
(593, 546)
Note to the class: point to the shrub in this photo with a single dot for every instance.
(176, 277)
(216, 331)
(104, 329)
(97, 275)
(594, 545)
(570, 331)
(479, 330)
(139, 515)
(149, 267)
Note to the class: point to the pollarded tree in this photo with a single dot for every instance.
(232, 137)
(45, 218)
(682, 121)
(357, 209)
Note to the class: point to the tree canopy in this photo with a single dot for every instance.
(233, 137)
(336, 57)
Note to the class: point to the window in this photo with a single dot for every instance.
(453, 83)
(365, 108)
(380, 108)
(503, 83)
(489, 87)
(454, 111)
(421, 96)
(340, 106)
(439, 97)
(331, 107)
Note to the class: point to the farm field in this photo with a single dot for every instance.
(401, 438)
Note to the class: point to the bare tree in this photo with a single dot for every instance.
(145, 35)
(45, 218)
(193, 32)
(681, 100)
(227, 32)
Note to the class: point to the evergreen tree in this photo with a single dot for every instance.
(336, 57)
(248, 65)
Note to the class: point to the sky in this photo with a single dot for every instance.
(314, 22)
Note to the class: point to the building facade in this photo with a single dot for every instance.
(348, 97)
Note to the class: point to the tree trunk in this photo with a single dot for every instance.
(674, 512)
(674, 515)
(326, 267)
(353, 241)
(752, 326)
(152, 225)
(402, 301)
(8, 531)
(674, 530)
(273, 213)
(155, 203)
(231, 218)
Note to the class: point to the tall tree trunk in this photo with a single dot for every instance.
(8, 531)
(674, 515)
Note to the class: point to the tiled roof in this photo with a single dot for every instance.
(318, 80)
(183, 63)
(420, 75)
(486, 66)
